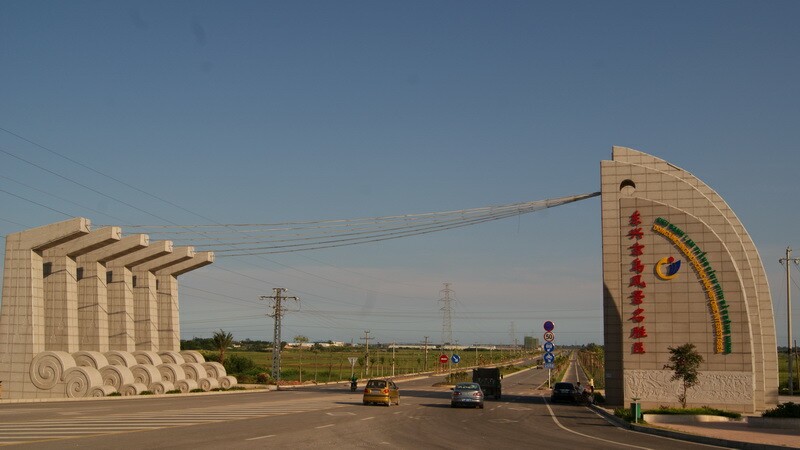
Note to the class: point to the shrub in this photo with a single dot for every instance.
(785, 410)
(174, 391)
(238, 364)
(705, 410)
(246, 379)
(197, 390)
(147, 393)
(236, 388)
(115, 394)
(624, 413)
(458, 377)
(263, 377)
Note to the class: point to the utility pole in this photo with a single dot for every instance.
(278, 311)
(394, 344)
(425, 361)
(366, 339)
(789, 259)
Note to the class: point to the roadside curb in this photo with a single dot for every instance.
(618, 422)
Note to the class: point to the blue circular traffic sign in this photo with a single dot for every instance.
(549, 326)
(549, 347)
(548, 357)
(456, 359)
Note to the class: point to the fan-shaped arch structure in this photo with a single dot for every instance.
(657, 219)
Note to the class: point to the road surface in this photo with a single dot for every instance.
(321, 417)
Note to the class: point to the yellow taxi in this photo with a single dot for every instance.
(381, 391)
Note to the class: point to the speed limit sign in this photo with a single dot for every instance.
(549, 336)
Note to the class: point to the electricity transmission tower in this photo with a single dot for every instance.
(447, 318)
(278, 310)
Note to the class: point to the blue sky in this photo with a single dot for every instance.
(264, 112)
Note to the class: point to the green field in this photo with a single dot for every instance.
(783, 374)
(325, 365)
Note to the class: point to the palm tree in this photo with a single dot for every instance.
(222, 341)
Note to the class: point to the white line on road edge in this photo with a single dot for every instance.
(325, 426)
(368, 418)
(585, 435)
(260, 437)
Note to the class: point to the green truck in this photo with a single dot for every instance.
(489, 379)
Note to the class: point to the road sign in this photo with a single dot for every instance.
(549, 347)
(443, 359)
(549, 336)
(549, 365)
(353, 360)
(455, 359)
(548, 357)
(549, 326)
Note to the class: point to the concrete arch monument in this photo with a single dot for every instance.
(679, 267)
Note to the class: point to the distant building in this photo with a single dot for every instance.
(531, 343)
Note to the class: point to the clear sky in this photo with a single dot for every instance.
(263, 112)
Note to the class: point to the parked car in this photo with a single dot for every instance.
(381, 391)
(564, 392)
(467, 394)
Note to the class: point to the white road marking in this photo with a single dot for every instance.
(260, 437)
(325, 426)
(552, 414)
(368, 418)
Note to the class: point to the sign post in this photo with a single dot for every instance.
(353, 361)
(549, 358)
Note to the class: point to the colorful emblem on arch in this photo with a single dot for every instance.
(667, 268)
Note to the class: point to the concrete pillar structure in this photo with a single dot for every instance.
(22, 317)
(145, 296)
(69, 315)
(93, 291)
(121, 328)
(61, 287)
(169, 332)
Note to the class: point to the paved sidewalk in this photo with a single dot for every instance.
(724, 434)
(740, 432)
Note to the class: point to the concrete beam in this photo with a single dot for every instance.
(41, 238)
(199, 260)
(178, 255)
(118, 249)
(85, 244)
(154, 250)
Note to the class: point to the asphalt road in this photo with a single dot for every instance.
(321, 417)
